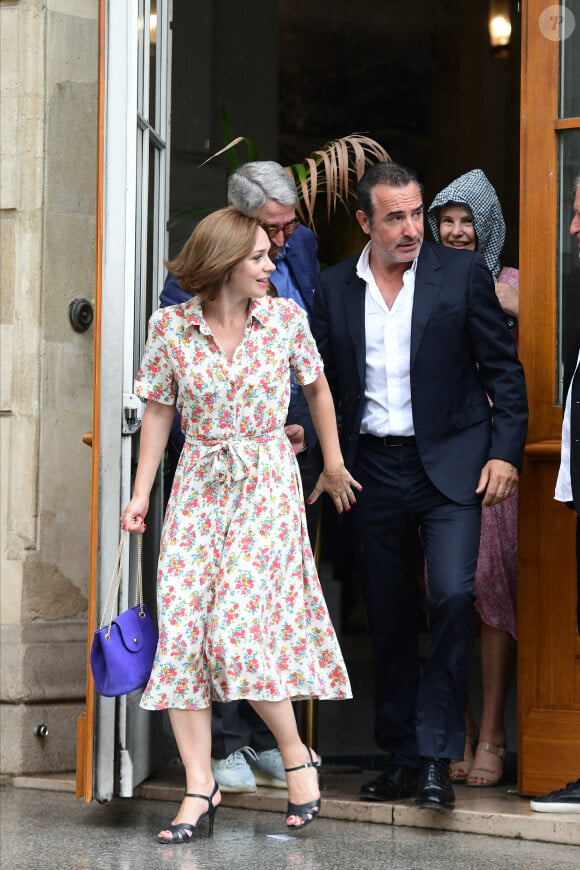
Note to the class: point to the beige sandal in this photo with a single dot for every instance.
(461, 768)
(482, 777)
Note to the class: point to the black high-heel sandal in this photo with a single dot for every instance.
(307, 812)
(183, 832)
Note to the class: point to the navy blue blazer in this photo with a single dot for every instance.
(461, 350)
(302, 260)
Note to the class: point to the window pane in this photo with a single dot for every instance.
(153, 230)
(570, 59)
(152, 61)
(140, 56)
(568, 261)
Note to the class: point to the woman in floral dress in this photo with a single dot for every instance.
(241, 610)
(467, 215)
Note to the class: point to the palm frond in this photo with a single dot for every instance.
(334, 169)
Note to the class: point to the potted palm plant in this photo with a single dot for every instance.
(326, 184)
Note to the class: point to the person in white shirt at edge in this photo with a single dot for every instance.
(567, 799)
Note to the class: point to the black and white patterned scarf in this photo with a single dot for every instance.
(474, 191)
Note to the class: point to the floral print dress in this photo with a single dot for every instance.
(241, 611)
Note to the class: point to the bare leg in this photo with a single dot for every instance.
(497, 654)
(302, 784)
(461, 767)
(192, 729)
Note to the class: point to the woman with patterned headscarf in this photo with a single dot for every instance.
(467, 214)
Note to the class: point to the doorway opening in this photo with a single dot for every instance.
(421, 79)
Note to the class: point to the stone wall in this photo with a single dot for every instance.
(48, 73)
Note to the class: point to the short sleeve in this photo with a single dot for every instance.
(305, 361)
(155, 379)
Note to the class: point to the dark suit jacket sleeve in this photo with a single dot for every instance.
(333, 330)
(172, 294)
(570, 366)
(499, 368)
(299, 413)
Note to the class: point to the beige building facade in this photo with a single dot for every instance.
(48, 136)
(241, 57)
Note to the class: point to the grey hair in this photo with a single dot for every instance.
(576, 185)
(253, 184)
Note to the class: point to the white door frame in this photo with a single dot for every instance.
(120, 760)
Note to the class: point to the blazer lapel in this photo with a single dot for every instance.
(428, 280)
(299, 271)
(354, 312)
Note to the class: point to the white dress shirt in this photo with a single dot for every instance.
(387, 408)
(564, 481)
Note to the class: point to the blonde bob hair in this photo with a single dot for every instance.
(217, 244)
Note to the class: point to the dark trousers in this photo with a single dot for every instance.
(236, 724)
(416, 714)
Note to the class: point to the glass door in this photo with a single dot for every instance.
(548, 642)
(116, 737)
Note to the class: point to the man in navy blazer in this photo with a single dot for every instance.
(414, 342)
(244, 751)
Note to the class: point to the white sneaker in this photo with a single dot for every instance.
(267, 767)
(233, 773)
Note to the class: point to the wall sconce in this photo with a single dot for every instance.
(500, 29)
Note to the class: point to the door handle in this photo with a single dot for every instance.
(87, 439)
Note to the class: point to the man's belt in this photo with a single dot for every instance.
(389, 440)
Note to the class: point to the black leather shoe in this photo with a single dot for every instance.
(434, 788)
(392, 785)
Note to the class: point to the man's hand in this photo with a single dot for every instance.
(498, 480)
(295, 434)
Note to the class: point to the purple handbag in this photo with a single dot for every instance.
(122, 653)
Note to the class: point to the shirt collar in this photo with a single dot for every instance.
(282, 253)
(260, 311)
(363, 269)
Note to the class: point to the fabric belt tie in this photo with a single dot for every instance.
(389, 440)
(230, 460)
